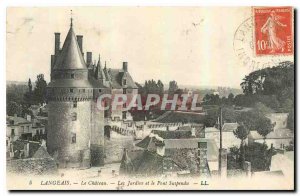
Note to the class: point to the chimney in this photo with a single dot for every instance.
(89, 58)
(125, 66)
(52, 64)
(57, 44)
(79, 41)
(222, 163)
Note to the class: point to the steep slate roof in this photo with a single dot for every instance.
(41, 153)
(17, 120)
(173, 134)
(181, 143)
(115, 77)
(70, 56)
(148, 143)
(179, 116)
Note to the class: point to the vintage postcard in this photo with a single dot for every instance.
(150, 98)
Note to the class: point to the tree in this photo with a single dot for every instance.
(233, 158)
(13, 108)
(172, 87)
(230, 99)
(264, 127)
(242, 133)
(28, 96)
(262, 108)
(29, 86)
(40, 89)
(229, 115)
(209, 121)
(160, 87)
(211, 99)
(270, 80)
(249, 119)
(271, 86)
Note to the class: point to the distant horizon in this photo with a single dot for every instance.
(142, 83)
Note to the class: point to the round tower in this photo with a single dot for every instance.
(70, 99)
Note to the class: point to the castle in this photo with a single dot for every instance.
(76, 128)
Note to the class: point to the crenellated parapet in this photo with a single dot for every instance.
(69, 94)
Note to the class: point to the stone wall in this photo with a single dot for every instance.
(62, 128)
(32, 166)
(115, 145)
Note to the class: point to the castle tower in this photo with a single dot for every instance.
(75, 138)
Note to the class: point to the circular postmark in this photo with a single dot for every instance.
(243, 47)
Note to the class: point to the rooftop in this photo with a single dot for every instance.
(180, 116)
(70, 56)
(278, 134)
(15, 120)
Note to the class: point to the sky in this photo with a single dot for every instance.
(191, 45)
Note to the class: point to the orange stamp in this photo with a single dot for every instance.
(273, 30)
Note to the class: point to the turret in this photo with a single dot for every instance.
(70, 101)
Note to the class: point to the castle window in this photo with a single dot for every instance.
(12, 132)
(124, 82)
(73, 138)
(124, 115)
(74, 116)
(202, 145)
(72, 76)
(124, 90)
(75, 104)
(99, 90)
(71, 90)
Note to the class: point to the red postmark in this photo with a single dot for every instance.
(273, 30)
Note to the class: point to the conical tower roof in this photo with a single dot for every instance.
(70, 57)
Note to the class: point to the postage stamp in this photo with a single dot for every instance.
(273, 30)
(175, 99)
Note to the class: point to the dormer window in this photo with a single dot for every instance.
(72, 76)
(71, 90)
(124, 81)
